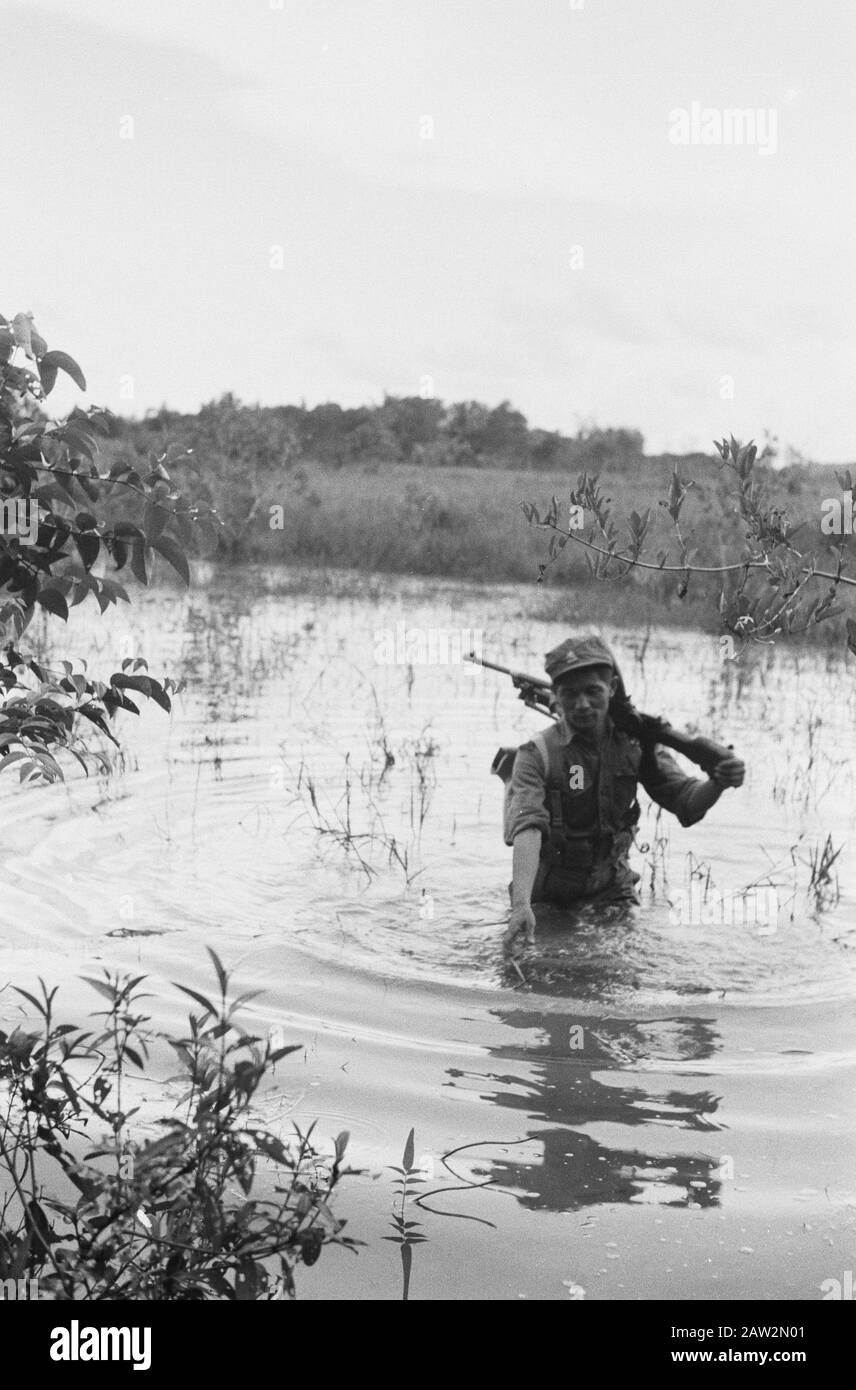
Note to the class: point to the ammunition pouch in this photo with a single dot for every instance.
(566, 865)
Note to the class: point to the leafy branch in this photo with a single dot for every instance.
(766, 586)
(60, 517)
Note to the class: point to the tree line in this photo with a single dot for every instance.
(403, 429)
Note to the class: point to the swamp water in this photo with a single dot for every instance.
(660, 1109)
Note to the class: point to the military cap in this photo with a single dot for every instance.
(576, 654)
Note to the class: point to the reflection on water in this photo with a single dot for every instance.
(572, 1085)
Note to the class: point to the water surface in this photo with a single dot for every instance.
(657, 1109)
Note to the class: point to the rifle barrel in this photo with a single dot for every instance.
(540, 681)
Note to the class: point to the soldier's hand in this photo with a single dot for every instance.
(729, 772)
(520, 931)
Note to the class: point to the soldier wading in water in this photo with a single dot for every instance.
(571, 806)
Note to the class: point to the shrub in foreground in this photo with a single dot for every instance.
(178, 1216)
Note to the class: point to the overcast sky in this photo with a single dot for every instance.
(280, 226)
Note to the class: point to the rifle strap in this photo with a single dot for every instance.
(540, 741)
(554, 785)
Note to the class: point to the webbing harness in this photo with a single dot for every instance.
(566, 855)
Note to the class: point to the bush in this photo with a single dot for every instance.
(176, 1217)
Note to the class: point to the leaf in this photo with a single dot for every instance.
(48, 375)
(65, 364)
(159, 695)
(53, 602)
(173, 552)
(407, 1160)
(102, 986)
(138, 561)
(114, 590)
(22, 331)
(222, 977)
(39, 1006)
(270, 1146)
(143, 684)
(199, 998)
(154, 520)
(11, 758)
(49, 764)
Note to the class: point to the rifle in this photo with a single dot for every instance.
(537, 693)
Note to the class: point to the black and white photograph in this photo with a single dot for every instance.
(428, 666)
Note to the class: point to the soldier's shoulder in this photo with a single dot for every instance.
(629, 751)
(536, 751)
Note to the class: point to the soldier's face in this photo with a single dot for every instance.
(583, 697)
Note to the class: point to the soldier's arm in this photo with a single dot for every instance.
(524, 866)
(526, 803)
(527, 821)
(688, 798)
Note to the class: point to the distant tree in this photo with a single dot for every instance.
(505, 434)
(545, 448)
(597, 448)
(412, 421)
(466, 421)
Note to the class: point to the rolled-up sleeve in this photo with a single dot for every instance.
(526, 795)
(670, 788)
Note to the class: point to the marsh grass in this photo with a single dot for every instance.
(823, 882)
(359, 830)
(468, 523)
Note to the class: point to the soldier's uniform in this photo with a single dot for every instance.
(583, 801)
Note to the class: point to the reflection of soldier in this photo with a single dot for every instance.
(571, 807)
(577, 1170)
